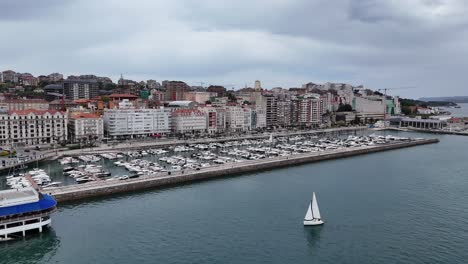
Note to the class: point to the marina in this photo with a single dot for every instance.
(178, 176)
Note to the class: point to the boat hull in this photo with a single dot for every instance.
(313, 222)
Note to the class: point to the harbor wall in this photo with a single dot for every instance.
(103, 188)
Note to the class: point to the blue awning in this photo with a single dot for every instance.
(46, 202)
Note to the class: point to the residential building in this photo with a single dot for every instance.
(131, 123)
(33, 127)
(55, 77)
(181, 104)
(235, 119)
(175, 90)
(23, 104)
(9, 76)
(152, 84)
(199, 97)
(271, 111)
(310, 111)
(80, 89)
(85, 126)
(188, 121)
(219, 90)
(27, 79)
(213, 125)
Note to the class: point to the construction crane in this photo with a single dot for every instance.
(395, 88)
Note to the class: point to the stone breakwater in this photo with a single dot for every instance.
(103, 188)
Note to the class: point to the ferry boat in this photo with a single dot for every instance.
(22, 210)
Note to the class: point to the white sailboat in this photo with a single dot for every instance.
(312, 216)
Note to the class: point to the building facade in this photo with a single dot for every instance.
(23, 104)
(80, 89)
(33, 127)
(131, 123)
(175, 90)
(189, 121)
(85, 127)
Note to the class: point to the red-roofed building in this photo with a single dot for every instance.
(85, 127)
(119, 97)
(22, 104)
(33, 127)
(188, 121)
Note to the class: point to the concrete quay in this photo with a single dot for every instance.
(103, 188)
(436, 131)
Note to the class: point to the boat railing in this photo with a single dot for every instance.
(27, 217)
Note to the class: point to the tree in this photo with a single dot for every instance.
(406, 110)
(345, 108)
(105, 99)
(231, 96)
(208, 102)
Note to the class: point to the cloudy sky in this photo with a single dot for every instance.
(386, 43)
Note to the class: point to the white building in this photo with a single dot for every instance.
(85, 126)
(199, 97)
(125, 123)
(189, 121)
(310, 111)
(215, 119)
(235, 119)
(33, 127)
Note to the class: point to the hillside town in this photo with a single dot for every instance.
(88, 109)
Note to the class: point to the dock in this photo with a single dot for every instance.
(103, 188)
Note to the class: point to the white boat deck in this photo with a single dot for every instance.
(18, 196)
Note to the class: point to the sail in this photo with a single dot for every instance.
(309, 215)
(315, 208)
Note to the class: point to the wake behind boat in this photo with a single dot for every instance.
(312, 216)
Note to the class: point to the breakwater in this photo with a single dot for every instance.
(440, 132)
(103, 188)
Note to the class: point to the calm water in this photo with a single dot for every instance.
(402, 206)
(459, 112)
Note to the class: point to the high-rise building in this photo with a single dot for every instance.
(258, 85)
(175, 90)
(130, 123)
(80, 89)
(271, 111)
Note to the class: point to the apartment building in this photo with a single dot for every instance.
(189, 121)
(33, 127)
(131, 123)
(85, 126)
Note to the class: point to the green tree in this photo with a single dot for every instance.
(345, 108)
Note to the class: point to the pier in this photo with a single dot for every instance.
(103, 188)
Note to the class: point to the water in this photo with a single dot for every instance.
(459, 112)
(401, 206)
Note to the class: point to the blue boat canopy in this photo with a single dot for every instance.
(46, 202)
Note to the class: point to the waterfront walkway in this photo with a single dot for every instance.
(94, 189)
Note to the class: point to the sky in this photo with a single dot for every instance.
(286, 43)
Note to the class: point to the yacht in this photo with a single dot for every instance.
(312, 216)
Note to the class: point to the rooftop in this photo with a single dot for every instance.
(18, 196)
(33, 111)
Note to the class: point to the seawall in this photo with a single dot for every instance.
(103, 188)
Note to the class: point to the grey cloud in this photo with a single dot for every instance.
(377, 43)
